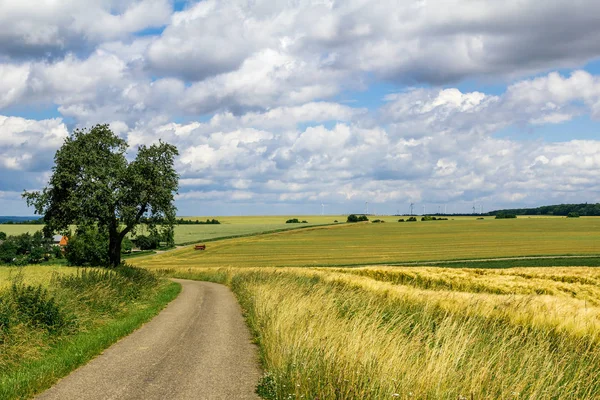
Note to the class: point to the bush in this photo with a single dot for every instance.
(150, 242)
(355, 218)
(126, 245)
(401, 220)
(293, 221)
(2, 236)
(572, 214)
(378, 221)
(412, 219)
(36, 307)
(89, 247)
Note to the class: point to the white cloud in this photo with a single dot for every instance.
(34, 29)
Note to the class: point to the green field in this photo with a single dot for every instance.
(229, 227)
(393, 242)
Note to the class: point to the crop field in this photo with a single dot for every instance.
(421, 332)
(229, 227)
(33, 274)
(390, 243)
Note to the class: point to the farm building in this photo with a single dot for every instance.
(60, 240)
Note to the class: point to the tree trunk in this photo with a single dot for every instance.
(114, 250)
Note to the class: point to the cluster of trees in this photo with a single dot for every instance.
(584, 209)
(182, 221)
(411, 219)
(355, 218)
(26, 249)
(430, 218)
(295, 221)
(505, 216)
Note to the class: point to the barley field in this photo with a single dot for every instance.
(391, 243)
(421, 333)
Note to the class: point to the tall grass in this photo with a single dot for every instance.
(338, 335)
(48, 330)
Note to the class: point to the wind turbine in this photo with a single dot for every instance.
(411, 208)
(366, 207)
(322, 209)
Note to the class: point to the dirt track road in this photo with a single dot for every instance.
(197, 348)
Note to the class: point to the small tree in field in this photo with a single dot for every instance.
(93, 184)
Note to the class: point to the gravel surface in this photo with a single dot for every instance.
(199, 347)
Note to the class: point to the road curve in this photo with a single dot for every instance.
(198, 347)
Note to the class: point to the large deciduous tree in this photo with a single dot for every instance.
(93, 184)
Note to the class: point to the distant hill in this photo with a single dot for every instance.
(560, 209)
(18, 220)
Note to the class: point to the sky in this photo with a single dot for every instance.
(303, 107)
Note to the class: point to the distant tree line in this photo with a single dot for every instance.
(584, 209)
(38, 221)
(182, 221)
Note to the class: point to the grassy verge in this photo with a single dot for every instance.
(46, 333)
(446, 333)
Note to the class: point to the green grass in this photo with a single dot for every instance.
(99, 307)
(398, 243)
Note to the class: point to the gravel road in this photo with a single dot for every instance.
(198, 347)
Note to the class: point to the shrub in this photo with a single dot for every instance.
(89, 247)
(412, 219)
(293, 221)
(572, 214)
(150, 242)
(34, 306)
(126, 245)
(401, 220)
(2, 236)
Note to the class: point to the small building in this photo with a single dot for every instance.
(60, 240)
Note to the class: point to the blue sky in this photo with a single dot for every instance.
(279, 107)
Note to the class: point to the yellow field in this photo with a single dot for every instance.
(421, 333)
(365, 243)
(33, 274)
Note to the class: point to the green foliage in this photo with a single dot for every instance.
(126, 245)
(584, 209)
(412, 219)
(89, 247)
(401, 220)
(2, 236)
(430, 218)
(355, 218)
(505, 216)
(182, 221)
(92, 183)
(150, 242)
(24, 249)
(33, 305)
(293, 221)
(378, 221)
(573, 214)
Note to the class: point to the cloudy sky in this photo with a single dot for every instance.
(281, 106)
